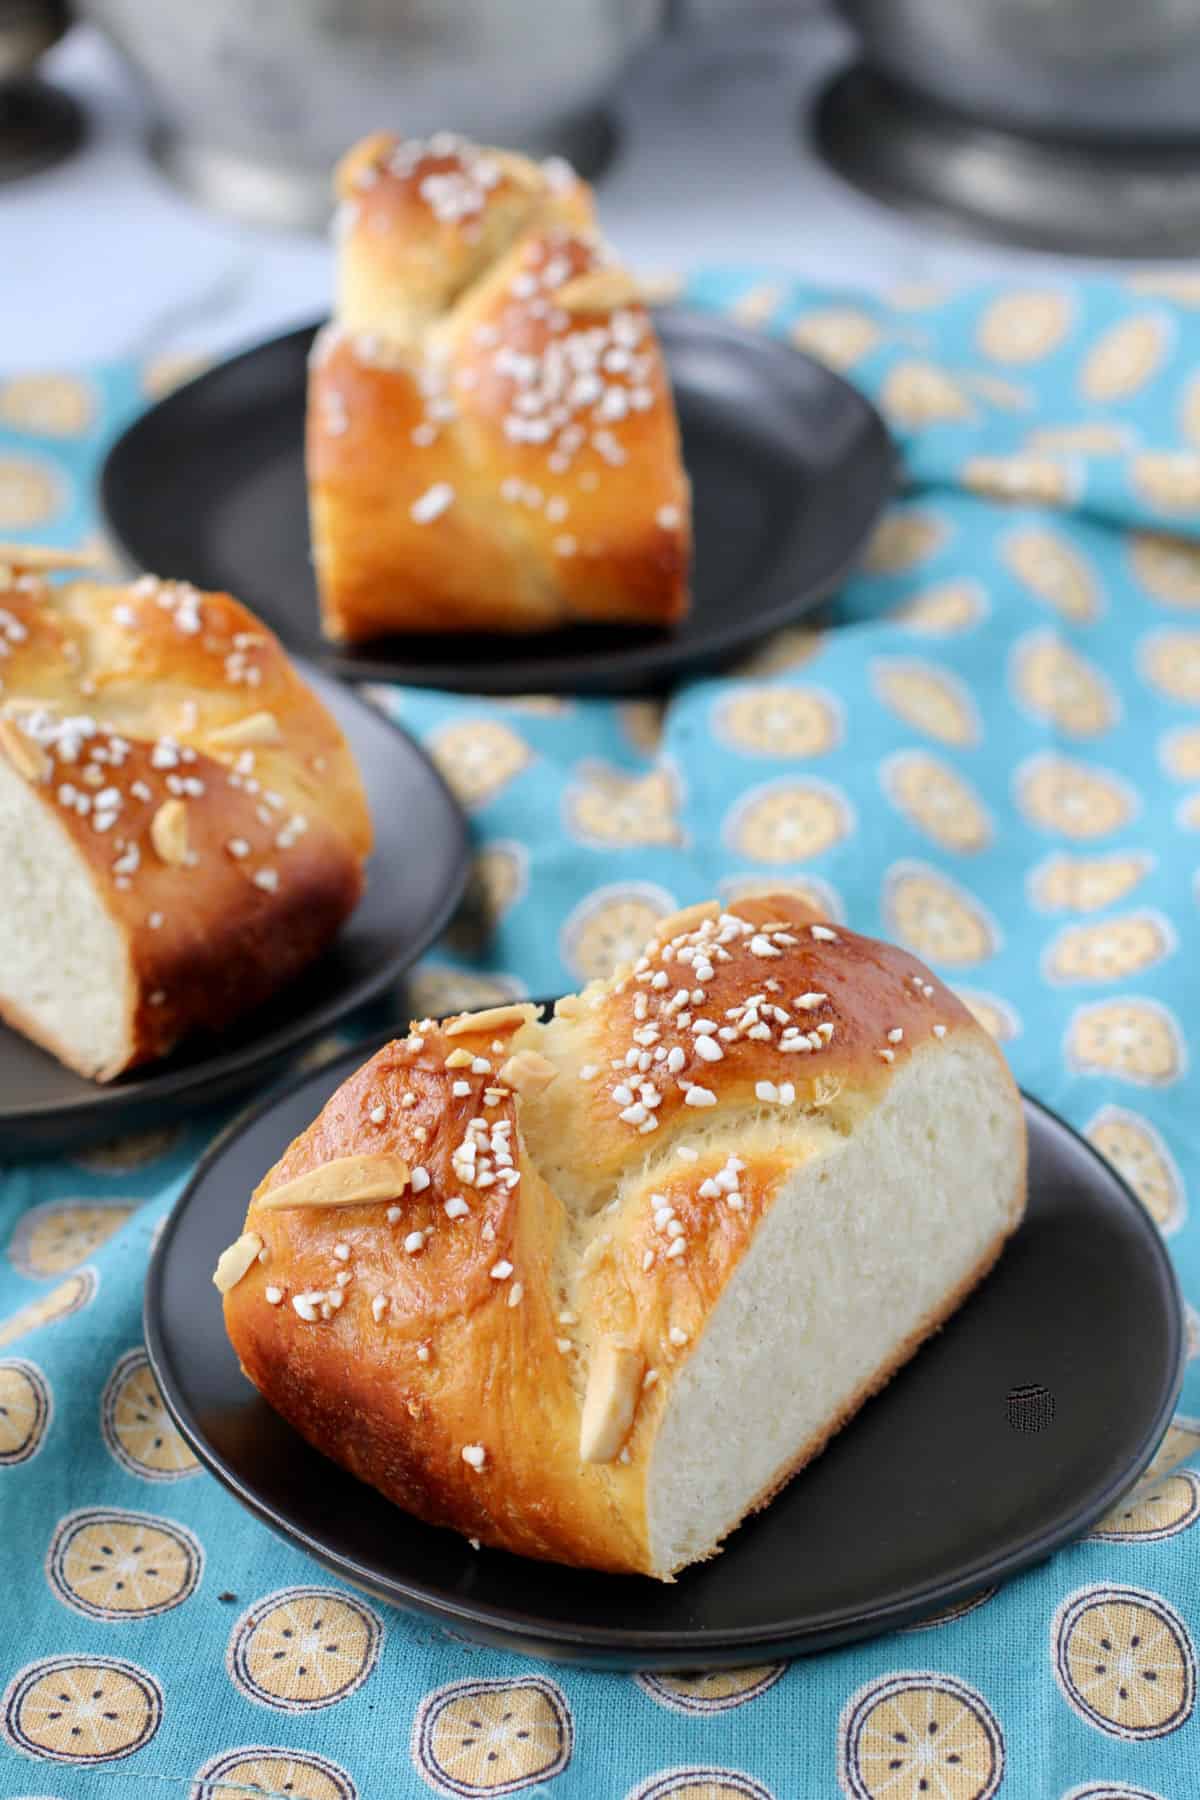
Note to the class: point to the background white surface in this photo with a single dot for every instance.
(102, 257)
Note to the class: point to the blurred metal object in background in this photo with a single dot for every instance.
(27, 29)
(704, 15)
(1105, 70)
(38, 124)
(1064, 125)
(257, 98)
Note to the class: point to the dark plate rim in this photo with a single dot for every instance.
(589, 669)
(225, 1067)
(700, 1649)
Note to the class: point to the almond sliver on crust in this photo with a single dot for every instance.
(349, 1181)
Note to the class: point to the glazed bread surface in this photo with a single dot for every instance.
(592, 1290)
(492, 442)
(182, 826)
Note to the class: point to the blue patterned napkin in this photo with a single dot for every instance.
(991, 751)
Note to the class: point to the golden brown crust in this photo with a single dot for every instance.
(426, 1355)
(479, 457)
(867, 989)
(357, 1387)
(419, 221)
(225, 866)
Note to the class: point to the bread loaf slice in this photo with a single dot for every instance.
(182, 827)
(641, 1262)
(492, 440)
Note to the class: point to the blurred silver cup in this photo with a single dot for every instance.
(1112, 71)
(255, 99)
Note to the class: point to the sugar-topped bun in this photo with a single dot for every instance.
(593, 1290)
(492, 441)
(182, 826)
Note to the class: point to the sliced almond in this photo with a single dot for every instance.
(826, 1089)
(613, 1386)
(521, 171)
(492, 1018)
(347, 1181)
(777, 887)
(660, 287)
(169, 832)
(598, 290)
(681, 922)
(459, 1059)
(369, 154)
(233, 1263)
(34, 556)
(26, 757)
(255, 728)
(528, 1073)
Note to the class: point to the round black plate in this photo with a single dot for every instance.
(941, 1485)
(415, 878)
(790, 467)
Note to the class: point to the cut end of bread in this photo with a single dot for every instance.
(68, 979)
(869, 1245)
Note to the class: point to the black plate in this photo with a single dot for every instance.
(415, 877)
(790, 467)
(941, 1485)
